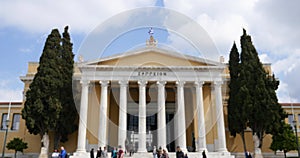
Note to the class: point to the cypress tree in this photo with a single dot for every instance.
(68, 116)
(237, 116)
(252, 99)
(49, 104)
(42, 106)
(257, 92)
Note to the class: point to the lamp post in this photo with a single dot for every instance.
(4, 144)
(297, 141)
(6, 130)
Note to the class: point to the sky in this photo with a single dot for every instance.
(273, 25)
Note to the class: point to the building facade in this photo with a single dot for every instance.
(144, 98)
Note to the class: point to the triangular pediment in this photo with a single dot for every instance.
(152, 57)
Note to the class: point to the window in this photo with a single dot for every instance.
(290, 119)
(3, 123)
(16, 122)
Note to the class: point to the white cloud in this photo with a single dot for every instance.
(284, 95)
(9, 94)
(273, 25)
(42, 16)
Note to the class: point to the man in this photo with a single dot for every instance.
(203, 154)
(99, 152)
(104, 153)
(154, 152)
(92, 153)
(248, 155)
(63, 153)
(179, 153)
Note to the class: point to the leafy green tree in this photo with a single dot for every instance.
(237, 115)
(42, 106)
(68, 115)
(285, 140)
(16, 144)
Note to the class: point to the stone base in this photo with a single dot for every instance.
(142, 155)
(44, 153)
(171, 155)
(258, 156)
(81, 155)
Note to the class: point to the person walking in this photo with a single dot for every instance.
(203, 154)
(154, 152)
(63, 153)
(92, 153)
(248, 155)
(104, 153)
(99, 152)
(164, 154)
(179, 153)
(120, 152)
(114, 153)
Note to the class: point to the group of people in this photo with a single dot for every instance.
(160, 153)
(104, 154)
(61, 154)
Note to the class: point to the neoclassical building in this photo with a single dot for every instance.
(147, 97)
(152, 96)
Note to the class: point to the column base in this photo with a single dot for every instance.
(142, 151)
(201, 150)
(80, 154)
(222, 150)
(142, 155)
(184, 150)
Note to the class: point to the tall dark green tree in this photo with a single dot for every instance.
(49, 104)
(252, 96)
(237, 116)
(68, 115)
(285, 140)
(42, 106)
(257, 92)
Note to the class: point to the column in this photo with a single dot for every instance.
(220, 117)
(102, 131)
(122, 113)
(201, 139)
(83, 117)
(180, 119)
(142, 116)
(161, 116)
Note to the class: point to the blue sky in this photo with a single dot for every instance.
(273, 25)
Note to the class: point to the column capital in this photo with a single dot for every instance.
(199, 83)
(142, 82)
(84, 82)
(217, 83)
(161, 83)
(104, 83)
(123, 82)
(180, 83)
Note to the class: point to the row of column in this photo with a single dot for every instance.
(180, 129)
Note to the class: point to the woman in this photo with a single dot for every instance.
(164, 154)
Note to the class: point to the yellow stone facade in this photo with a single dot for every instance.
(147, 59)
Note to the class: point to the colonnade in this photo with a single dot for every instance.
(180, 133)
